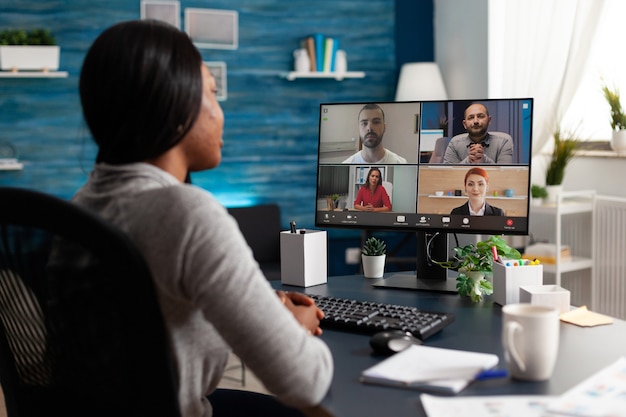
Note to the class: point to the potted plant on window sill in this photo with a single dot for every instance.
(34, 50)
(373, 256)
(538, 193)
(618, 119)
(474, 262)
(565, 142)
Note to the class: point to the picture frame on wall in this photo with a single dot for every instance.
(166, 11)
(212, 28)
(218, 70)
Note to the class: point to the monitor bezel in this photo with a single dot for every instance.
(478, 224)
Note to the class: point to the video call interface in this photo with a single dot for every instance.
(459, 166)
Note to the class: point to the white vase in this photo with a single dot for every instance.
(553, 192)
(373, 266)
(301, 61)
(618, 141)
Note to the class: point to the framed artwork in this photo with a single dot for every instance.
(218, 69)
(166, 11)
(212, 28)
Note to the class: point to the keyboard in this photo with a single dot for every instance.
(367, 317)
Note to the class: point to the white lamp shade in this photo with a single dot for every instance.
(420, 81)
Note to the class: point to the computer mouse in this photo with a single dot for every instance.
(389, 342)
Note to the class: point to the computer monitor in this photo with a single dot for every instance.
(431, 179)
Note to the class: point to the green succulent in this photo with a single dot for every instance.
(374, 247)
(24, 37)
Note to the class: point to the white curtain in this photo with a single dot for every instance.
(540, 49)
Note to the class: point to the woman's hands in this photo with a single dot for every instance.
(304, 310)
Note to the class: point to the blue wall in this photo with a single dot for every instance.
(271, 124)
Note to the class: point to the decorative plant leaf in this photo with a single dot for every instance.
(374, 247)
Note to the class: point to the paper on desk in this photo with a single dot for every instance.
(585, 318)
(430, 368)
(601, 395)
(487, 406)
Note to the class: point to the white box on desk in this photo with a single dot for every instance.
(546, 295)
(303, 258)
(508, 279)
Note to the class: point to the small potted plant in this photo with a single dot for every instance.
(565, 142)
(474, 262)
(538, 193)
(373, 256)
(34, 50)
(618, 119)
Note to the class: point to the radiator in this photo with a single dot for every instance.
(609, 254)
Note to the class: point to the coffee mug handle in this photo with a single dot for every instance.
(509, 346)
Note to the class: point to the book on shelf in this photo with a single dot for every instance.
(309, 45)
(322, 51)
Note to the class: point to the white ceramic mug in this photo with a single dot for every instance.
(530, 337)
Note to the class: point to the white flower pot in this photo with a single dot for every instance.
(618, 141)
(29, 57)
(553, 192)
(373, 266)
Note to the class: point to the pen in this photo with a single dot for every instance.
(491, 374)
(494, 250)
(292, 224)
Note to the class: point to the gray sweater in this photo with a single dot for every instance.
(213, 295)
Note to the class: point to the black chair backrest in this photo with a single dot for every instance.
(260, 225)
(81, 330)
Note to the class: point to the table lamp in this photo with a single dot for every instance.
(420, 81)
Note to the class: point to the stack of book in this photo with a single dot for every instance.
(322, 51)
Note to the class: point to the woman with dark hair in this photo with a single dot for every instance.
(149, 102)
(476, 185)
(372, 196)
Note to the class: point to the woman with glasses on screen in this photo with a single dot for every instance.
(372, 196)
(476, 186)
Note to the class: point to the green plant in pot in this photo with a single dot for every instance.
(618, 118)
(373, 254)
(474, 262)
(565, 143)
(24, 37)
(29, 50)
(538, 193)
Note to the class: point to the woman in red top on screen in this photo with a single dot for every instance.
(372, 196)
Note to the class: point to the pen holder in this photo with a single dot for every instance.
(508, 279)
(303, 256)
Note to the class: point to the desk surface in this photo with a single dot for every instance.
(582, 351)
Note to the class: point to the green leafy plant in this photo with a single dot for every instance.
(618, 117)
(374, 247)
(537, 191)
(24, 37)
(475, 265)
(565, 142)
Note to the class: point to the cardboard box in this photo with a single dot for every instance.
(303, 258)
(507, 281)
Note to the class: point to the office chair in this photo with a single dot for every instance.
(81, 330)
(440, 150)
(260, 226)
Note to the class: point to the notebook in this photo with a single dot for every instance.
(430, 369)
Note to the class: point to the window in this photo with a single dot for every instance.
(589, 111)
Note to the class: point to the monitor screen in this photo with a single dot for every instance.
(454, 166)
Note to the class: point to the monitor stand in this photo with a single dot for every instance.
(428, 276)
